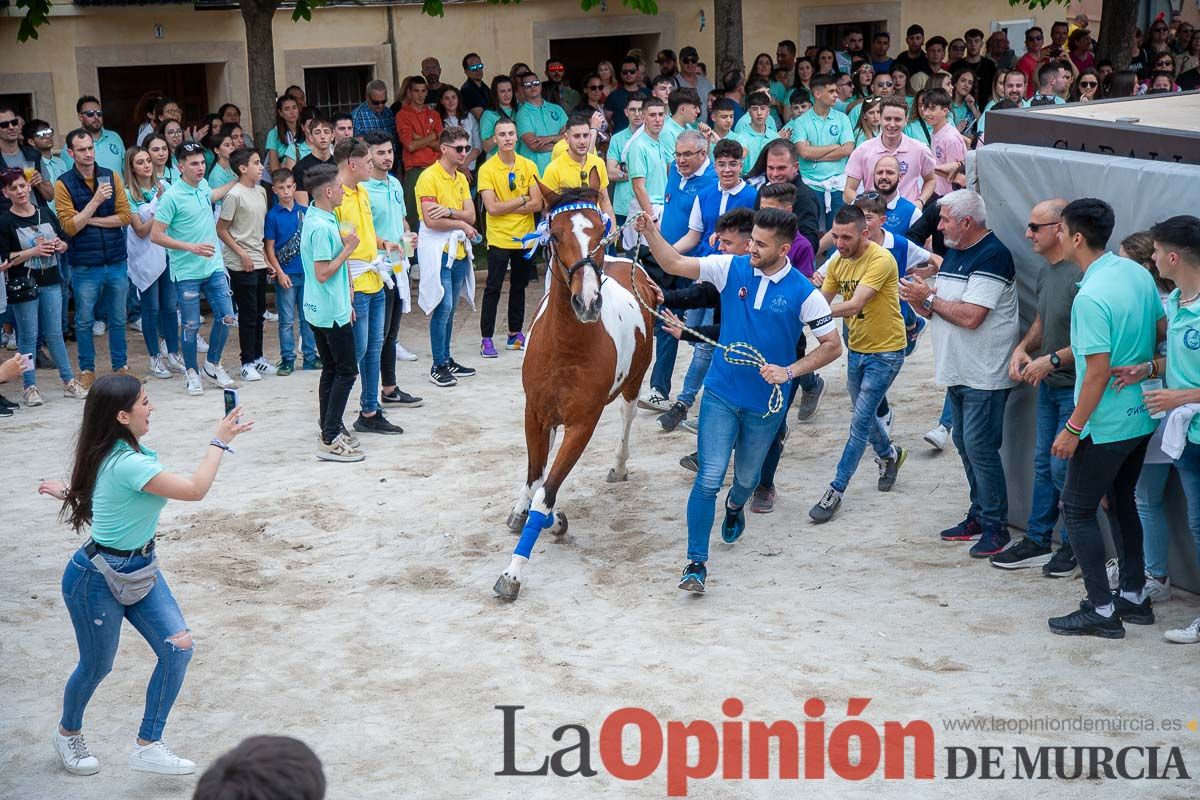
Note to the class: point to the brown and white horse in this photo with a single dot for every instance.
(590, 342)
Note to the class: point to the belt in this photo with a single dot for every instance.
(92, 547)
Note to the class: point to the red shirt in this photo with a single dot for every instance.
(1029, 65)
(416, 123)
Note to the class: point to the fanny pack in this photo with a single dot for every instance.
(127, 587)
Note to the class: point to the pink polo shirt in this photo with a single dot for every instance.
(916, 161)
(948, 145)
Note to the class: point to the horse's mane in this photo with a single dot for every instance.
(580, 195)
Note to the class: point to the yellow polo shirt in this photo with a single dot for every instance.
(436, 185)
(505, 230)
(564, 173)
(356, 209)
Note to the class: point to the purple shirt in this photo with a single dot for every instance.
(801, 255)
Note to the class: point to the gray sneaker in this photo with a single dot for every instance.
(810, 401)
(889, 468)
(826, 507)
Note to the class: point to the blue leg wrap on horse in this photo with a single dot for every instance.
(533, 528)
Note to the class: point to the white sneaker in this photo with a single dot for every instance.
(194, 386)
(32, 396)
(1188, 635)
(938, 437)
(175, 363)
(74, 754)
(654, 400)
(99, 328)
(135, 324)
(217, 374)
(157, 757)
(158, 367)
(249, 373)
(1113, 568)
(1157, 591)
(270, 316)
(338, 450)
(265, 367)
(201, 345)
(404, 354)
(9, 340)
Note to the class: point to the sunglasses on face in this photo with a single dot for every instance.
(462, 149)
(690, 60)
(44, 133)
(1037, 226)
(531, 84)
(10, 123)
(1088, 84)
(1165, 62)
(475, 67)
(595, 88)
(1033, 38)
(884, 84)
(629, 72)
(96, 113)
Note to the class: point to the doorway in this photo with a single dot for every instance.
(581, 55)
(122, 89)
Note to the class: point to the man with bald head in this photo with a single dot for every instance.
(1043, 359)
(431, 68)
(901, 212)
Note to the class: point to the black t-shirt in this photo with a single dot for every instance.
(305, 164)
(1140, 63)
(985, 77)
(913, 64)
(927, 226)
(18, 233)
(615, 105)
(475, 95)
(434, 95)
(1189, 80)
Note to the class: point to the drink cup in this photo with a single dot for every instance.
(30, 170)
(104, 180)
(346, 228)
(1153, 385)
(410, 244)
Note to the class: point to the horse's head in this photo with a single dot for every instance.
(576, 230)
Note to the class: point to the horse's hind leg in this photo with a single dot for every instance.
(539, 441)
(628, 411)
(541, 512)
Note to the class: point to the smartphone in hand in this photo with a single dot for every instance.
(231, 401)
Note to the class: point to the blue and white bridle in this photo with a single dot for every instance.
(540, 237)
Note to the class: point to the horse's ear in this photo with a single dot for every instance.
(594, 180)
(550, 198)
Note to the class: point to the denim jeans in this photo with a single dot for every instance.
(216, 290)
(947, 418)
(825, 218)
(702, 356)
(725, 430)
(1189, 475)
(160, 314)
(1150, 495)
(64, 269)
(1054, 408)
(666, 347)
(766, 478)
(290, 305)
(97, 616)
(87, 283)
(977, 417)
(868, 377)
(1096, 472)
(369, 313)
(40, 319)
(441, 322)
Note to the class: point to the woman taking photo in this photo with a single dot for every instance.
(32, 243)
(285, 142)
(148, 267)
(118, 487)
(501, 106)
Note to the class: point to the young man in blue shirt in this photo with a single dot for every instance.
(281, 240)
(766, 304)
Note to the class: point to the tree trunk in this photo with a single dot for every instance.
(727, 32)
(260, 64)
(1117, 21)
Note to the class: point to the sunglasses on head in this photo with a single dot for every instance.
(96, 113)
(10, 123)
(870, 195)
(192, 147)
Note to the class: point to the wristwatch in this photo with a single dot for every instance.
(1055, 361)
(927, 303)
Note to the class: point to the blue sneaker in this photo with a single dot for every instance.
(693, 577)
(964, 531)
(914, 336)
(990, 543)
(734, 525)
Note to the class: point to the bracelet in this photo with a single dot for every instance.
(1071, 429)
(221, 445)
(1153, 369)
(791, 377)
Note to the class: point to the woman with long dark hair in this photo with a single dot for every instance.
(1086, 87)
(503, 105)
(285, 142)
(119, 488)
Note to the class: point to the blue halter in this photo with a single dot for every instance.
(530, 242)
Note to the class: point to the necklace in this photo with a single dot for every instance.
(1190, 300)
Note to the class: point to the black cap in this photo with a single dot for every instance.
(689, 51)
(665, 55)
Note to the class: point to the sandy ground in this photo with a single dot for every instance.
(351, 605)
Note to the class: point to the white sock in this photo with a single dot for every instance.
(1105, 610)
(1133, 597)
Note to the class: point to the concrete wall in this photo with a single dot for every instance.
(62, 63)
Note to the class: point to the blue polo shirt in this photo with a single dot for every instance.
(325, 304)
(901, 215)
(1183, 352)
(681, 193)
(711, 203)
(187, 212)
(766, 312)
(282, 227)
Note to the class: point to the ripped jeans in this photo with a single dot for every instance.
(216, 290)
(97, 617)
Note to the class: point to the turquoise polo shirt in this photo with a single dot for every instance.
(622, 190)
(754, 142)
(1116, 312)
(110, 154)
(648, 159)
(387, 207)
(187, 212)
(743, 124)
(817, 131)
(1183, 351)
(325, 304)
(123, 516)
(544, 120)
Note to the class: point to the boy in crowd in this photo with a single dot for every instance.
(386, 194)
(324, 252)
(281, 246)
(758, 131)
(240, 228)
(320, 136)
(618, 150)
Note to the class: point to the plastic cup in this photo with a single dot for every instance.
(410, 244)
(30, 170)
(1153, 385)
(346, 228)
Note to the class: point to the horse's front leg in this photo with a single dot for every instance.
(628, 411)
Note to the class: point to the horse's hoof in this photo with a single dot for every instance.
(507, 588)
(516, 521)
(615, 477)
(560, 524)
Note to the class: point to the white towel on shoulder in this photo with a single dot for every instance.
(431, 248)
